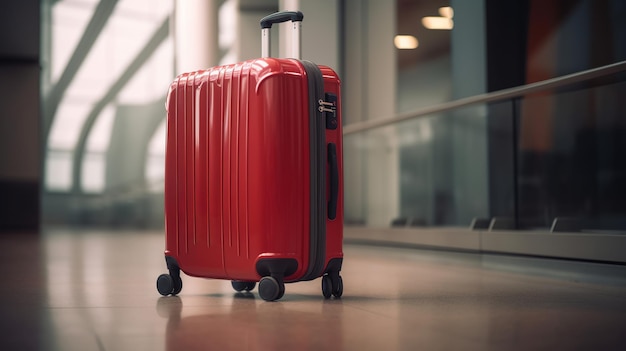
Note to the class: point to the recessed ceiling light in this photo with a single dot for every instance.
(405, 42)
(435, 22)
(446, 12)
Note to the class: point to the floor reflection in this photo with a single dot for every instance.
(249, 323)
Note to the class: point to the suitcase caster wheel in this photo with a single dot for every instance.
(178, 285)
(281, 292)
(238, 286)
(327, 286)
(270, 289)
(250, 286)
(241, 286)
(338, 288)
(165, 284)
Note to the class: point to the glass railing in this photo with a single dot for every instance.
(549, 155)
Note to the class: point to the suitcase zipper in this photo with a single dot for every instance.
(317, 107)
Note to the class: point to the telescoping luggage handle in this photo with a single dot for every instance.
(296, 23)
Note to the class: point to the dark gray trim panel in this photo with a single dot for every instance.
(454, 238)
(578, 246)
(572, 246)
(19, 206)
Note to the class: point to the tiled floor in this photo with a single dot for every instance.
(95, 290)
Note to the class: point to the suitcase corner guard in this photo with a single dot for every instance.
(276, 266)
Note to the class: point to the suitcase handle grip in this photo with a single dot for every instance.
(266, 25)
(278, 17)
(334, 180)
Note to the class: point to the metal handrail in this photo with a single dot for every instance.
(489, 97)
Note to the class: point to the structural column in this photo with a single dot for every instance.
(469, 130)
(196, 31)
(371, 163)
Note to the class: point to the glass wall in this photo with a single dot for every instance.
(441, 181)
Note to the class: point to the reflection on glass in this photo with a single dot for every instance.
(571, 159)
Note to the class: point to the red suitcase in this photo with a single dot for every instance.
(253, 174)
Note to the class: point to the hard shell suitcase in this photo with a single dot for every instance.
(253, 173)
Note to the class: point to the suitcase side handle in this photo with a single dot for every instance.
(295, 17)
(334, 180)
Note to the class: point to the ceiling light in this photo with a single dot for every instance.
(438, 23)
(446, 12)
(405, 42)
